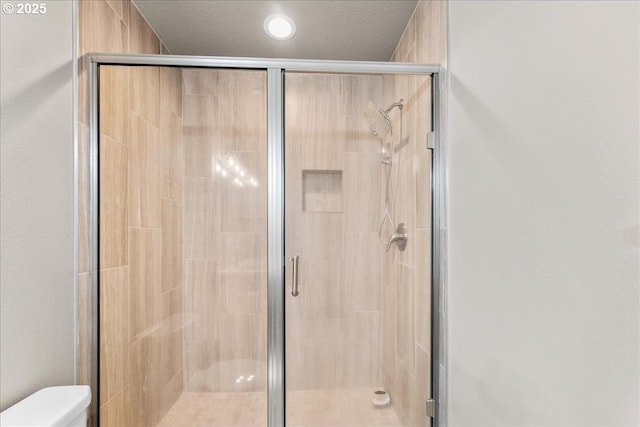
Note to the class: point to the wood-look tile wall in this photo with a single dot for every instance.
(141, 326)
(333, 328)
(225, 230)
(406, 275)
(141, 322)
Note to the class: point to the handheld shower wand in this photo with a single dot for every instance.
(381, 126)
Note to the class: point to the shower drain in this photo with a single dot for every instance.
(381, 399)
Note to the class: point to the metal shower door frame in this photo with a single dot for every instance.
(275, 69)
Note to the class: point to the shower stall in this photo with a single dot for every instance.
(265, 242)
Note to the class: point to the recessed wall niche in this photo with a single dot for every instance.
(322, 190)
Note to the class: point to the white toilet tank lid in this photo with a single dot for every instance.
(51, 406)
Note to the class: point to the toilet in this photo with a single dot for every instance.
(64, 406)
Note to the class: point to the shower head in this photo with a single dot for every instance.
(378, 119)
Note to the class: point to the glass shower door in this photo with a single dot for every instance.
(183, 248)
(357, 314)
(183, 235)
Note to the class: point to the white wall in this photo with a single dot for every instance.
(544, 210)
(36, 205)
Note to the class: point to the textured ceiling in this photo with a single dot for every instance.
(362, 30)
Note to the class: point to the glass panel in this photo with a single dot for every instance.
(183, 208)
(360, 322)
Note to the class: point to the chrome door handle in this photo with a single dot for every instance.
(294, 274)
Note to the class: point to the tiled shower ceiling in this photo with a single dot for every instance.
(362, 30)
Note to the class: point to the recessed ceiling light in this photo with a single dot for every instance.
(280, 27)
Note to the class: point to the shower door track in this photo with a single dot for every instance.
(276, 259)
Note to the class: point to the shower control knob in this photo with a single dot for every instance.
(399, 237)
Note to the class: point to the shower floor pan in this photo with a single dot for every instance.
(306, 408)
